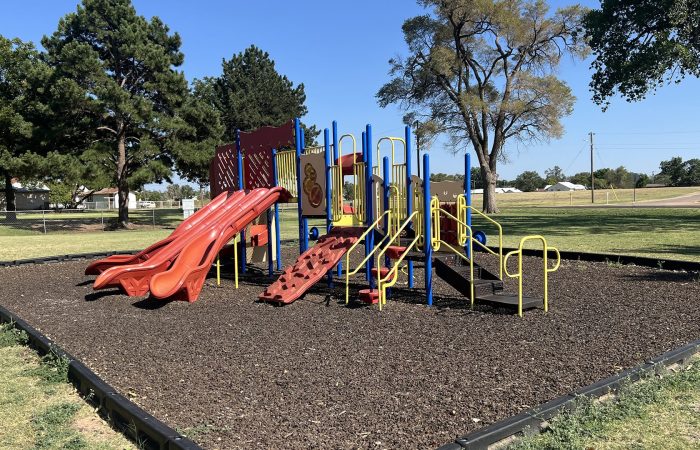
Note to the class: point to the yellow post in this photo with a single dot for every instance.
(235, 261)
(218, 271)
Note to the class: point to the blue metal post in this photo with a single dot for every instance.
(241, 186)
(329, 185)
(364, 158)
(335, 161)
(369, 201)
(304, 220)
(270, 268)
(297, 144)
(427, 247)
(409, 193)
(278, 246)
(468, 193)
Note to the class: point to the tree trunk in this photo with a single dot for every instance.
(122, 183)
(489, 178)
(10, 205)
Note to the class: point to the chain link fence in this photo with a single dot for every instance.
(80, 220)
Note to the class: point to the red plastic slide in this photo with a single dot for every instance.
(312, 265)
(133, 279)
(99, 266)
(184, 280)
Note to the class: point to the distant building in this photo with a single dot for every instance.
(499, 190)
(564, 186)
(108, 198)
(27, 197)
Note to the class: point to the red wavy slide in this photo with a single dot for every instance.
(133, 279)
(184, 280)
(312, 265)
(187, 225)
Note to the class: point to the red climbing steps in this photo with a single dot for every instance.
(369, 296)
(312, 265)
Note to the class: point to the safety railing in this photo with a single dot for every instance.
(287, 171)
(393, 275)
(466, 238)
(358, 170)
(519, 274)
(398, 177)
(377, 246)
(336, 174)
(462, 208)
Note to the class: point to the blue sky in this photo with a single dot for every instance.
(339, 50)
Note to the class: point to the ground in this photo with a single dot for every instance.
(233, 373)
(40, 409)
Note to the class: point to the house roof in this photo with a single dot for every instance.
(106, 191)
(40, 187)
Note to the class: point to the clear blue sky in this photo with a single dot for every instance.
(339, 50)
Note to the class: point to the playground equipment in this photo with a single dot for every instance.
(399, 220)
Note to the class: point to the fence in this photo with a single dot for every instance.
(78, 220)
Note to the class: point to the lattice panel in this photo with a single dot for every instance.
(223, 171)
(257, 150)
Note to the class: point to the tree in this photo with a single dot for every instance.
(250, 93)
(484, 71)
(529, 181)
(692, 173)
(641, 180)
(477, 182)
(125, 65)
(23, 76)
(554, 175)
(582, 178)
(348, 191)
(641, 44)
(674, 170)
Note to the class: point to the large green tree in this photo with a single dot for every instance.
(23, 111)
(484, 70)
(250, 93)
(125, 65)
(529, 181)
(641, 44)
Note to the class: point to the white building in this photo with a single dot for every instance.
(564, 186)
(27, 197)
(108, 198)
(499, 190)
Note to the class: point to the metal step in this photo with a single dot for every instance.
(510, 300)
(458, 277)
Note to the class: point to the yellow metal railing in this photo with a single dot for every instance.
(462, 213)
(377, 246)
(287, 171)
(358, 202)
(336, 174)
(519, 275)
(393, 276)
(462, 240)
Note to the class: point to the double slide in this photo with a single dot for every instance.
(176, 267)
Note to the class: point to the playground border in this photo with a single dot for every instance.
(123, 414)
(643, 261)
(533, 421)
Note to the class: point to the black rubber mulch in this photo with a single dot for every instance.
(240, 374)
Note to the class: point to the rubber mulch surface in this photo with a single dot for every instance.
(233, 373)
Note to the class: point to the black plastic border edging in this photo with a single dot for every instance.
(665, 264)
(125, 415)
(529, 422)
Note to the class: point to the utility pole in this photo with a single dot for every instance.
(592, 176)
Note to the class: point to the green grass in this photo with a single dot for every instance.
(39, 409)
(602, 196)
(659, 412)
(672, 233)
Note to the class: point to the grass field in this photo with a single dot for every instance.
(657, 413)
(602, 196)
(39, 409)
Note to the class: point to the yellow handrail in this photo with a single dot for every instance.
(519, 275)
(466, 238)
(369, 229)
(500, 235)
(383, 287)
